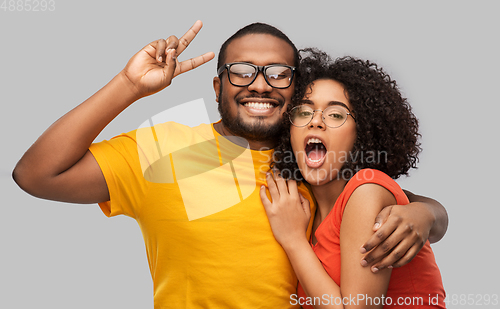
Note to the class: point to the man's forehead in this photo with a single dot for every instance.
(260, 49)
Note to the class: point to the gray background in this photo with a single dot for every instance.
(444, 55)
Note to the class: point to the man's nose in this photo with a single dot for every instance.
(260, 84)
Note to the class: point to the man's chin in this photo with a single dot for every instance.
(256, 129)
(259, 128)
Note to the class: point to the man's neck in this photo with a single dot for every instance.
(240, 141)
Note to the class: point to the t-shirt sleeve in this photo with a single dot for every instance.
(119, 162)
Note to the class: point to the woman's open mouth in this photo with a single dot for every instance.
(315, 151)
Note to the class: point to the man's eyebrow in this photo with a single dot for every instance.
(274, 63)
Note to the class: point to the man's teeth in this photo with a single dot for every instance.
(314, 141)
(259, 105)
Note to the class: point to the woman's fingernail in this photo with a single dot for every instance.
(374, 269)
(364, 263)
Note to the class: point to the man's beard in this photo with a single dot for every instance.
(256, 131)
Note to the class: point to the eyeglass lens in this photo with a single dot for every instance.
(333, 116)
(242, 74)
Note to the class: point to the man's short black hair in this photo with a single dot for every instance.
(257, 28)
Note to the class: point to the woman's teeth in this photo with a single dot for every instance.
(314, 140)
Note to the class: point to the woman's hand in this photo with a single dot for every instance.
(289, 211)
(153, 67)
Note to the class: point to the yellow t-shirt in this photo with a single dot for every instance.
(195, 196)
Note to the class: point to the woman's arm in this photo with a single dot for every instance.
(289, 214)
(363, 206)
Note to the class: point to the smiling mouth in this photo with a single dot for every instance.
(258, 105)
(315, 152)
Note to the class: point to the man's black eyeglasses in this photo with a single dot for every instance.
(243, 74)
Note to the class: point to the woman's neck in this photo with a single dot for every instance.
(326, 195)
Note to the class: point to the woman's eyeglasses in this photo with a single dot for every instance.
(333, 116)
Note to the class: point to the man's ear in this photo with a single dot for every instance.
(216, 83)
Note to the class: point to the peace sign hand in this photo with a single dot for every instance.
(153, 67)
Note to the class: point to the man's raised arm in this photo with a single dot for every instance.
(59, 166)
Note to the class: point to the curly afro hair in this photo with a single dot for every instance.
(387, 130)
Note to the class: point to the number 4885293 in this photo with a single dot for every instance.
(28, 5)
